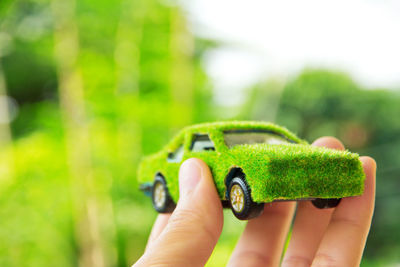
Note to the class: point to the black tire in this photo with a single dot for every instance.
(165, 204)
(326, 203)
(249, 209)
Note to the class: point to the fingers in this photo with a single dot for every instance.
(329, 142)
(158, 227)
(194, 227)
(345, 237)
(310, 223)
(262, 241)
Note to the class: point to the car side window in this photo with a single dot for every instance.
(202, 142)
(176, 156)
(242, 137)
(279, 137)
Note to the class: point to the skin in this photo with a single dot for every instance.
(331, 237)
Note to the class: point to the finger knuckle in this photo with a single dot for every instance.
(325, 260)
(252, 258)
(349, 223)
(296, 261)
(192, 222)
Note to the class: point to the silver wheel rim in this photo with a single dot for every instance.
(159, 195)
(237, 198)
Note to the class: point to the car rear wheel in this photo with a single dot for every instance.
(326, 203)
(243, 207)
(162, 201)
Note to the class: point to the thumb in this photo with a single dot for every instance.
(196, 224)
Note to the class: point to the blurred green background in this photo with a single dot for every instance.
(88, 87)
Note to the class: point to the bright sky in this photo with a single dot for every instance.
(266, 38)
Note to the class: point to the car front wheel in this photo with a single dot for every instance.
(162, 201)
(243, 207)
(326, 203)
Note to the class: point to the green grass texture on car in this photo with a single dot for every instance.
(253, 163)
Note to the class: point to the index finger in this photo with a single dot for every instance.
(158, 227)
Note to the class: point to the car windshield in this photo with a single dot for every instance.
(241, 137)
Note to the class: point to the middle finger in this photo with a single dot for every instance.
(262, 241)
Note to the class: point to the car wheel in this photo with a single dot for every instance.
(326, 203)
(162, 201)
(243, 207)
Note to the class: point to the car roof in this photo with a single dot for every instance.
(241, 125)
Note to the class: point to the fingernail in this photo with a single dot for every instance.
(189, 176)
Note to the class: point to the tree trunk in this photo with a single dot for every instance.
(7, 163)
(85, 204)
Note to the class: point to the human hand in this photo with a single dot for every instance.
(331, 237)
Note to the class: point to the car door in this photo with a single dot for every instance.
(174, 159)
(203, 147)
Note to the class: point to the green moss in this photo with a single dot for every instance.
(281, 171)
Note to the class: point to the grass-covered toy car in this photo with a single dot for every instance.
(253, 163)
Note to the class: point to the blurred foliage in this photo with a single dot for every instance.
(141, 78)
(130, 59)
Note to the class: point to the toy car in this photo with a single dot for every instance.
(253, 163)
